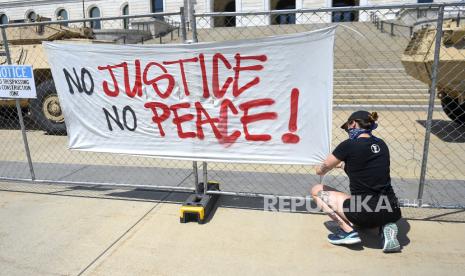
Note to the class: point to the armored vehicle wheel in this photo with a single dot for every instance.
(454, 110)
(46, 110)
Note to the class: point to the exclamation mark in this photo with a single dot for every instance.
(290, 137)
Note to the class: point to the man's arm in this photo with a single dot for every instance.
(330, 163)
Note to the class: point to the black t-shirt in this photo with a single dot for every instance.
(367, 165)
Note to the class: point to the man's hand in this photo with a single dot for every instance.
(330, 163)
(323, 169)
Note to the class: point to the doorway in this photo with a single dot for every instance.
(224, 6)
(281, 19)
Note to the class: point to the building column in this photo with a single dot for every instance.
(364, 15)
(207, 21)
(266, 7)
(300, 18)
(239, 20)
(238, 5)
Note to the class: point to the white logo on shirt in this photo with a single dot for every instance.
(375, 148)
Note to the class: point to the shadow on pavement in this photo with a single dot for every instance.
(443, 217)
(371, 237)
(225, 201)
(9, 120)
(152, 195)
(447, 131)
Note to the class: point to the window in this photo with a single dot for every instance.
(283, 18)
(125, 11)
(3, 19)
(93, 13)
(32, 16)
(62, 14)
(157, 5)
(345, 16)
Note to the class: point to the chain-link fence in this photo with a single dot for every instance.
(373, 50)
(43, 119)
(384, 62)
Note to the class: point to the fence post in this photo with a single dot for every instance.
(187, 8)
(392, 29)
(205, 177)
(195, 40)
(18, 110)
(183, 25)
(432, 94)
(196, 177)
(198, 188)
(193, 22)
(382, 26)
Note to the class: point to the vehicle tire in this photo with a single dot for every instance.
(46, 110)
(454, 110)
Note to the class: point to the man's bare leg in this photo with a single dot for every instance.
(331, 202)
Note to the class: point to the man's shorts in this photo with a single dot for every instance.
(371, 211)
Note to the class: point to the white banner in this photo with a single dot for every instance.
(265, 100)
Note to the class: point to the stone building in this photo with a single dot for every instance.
(21, 11)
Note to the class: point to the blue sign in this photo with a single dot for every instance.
(17, 81)
(15, 72)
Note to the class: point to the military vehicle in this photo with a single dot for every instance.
(418, 60)
(26, 48)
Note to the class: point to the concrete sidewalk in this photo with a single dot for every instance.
(60, 230)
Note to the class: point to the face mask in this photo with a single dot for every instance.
(354, 133)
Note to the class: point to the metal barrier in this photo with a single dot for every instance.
(41, 131)
(369, 74)
(427, 147)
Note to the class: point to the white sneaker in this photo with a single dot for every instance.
(389, 235)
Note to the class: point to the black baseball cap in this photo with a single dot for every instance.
(357, 115)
